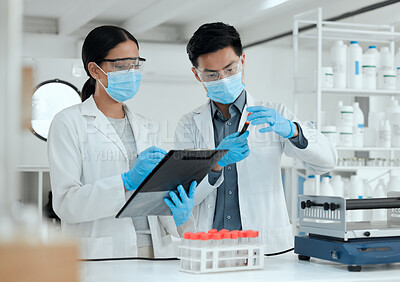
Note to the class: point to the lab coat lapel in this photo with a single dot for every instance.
(102, 124)
(204, 123)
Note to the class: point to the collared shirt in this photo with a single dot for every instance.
(227, 211)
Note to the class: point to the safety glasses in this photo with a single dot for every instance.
(125, 64)
(216, 75)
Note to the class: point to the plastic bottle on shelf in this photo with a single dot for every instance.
(345, 136)
(393, 107)
(326, 77)
(330, 132)
(389, 79)
(339, 64)
(356, 192)
(358, 126)
(370, 62)
(326, 188)
(338, 116)
(384, 134)
(346, 187)
(368, 193)
(396, 130)
(346, 116)
(309, 185)
(386, 70)
(338, 185)
(374, 120)
(394, 183)
(397, 67)
(354, 64)
(379, 192)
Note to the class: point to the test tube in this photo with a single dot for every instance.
(217, 247)
(235, 243)
(205, 242)
(195, 265)
(185, 252)
(212, 231)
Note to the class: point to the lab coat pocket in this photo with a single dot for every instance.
(96, 247)
(264, 167)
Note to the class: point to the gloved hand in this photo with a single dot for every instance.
(237, 146)
(277, 123)
(181, 208)
(145, 163)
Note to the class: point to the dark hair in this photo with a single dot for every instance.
(95, 48)
(211, 37)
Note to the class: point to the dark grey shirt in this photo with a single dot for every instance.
(227, 211)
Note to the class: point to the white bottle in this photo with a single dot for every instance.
(386, 68)
(397, 67)
(326, 188)
(338, 185)
(394, 184)
(356, 192)
(346, 116)
(358, 126)
(374, 120)
(368, 193)
(309, 186)
(346, 187)
(330, 133)
(395, 130)
(388, 79)
(338, 116)
(345, 136)
(370, 62)
(384, 134)
(326, 77)
(354, 64)
(339, 64)
(379, 192)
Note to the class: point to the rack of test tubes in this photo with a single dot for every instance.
(223, 250)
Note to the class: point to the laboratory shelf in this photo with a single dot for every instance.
(356, 168)
(350, 32)
(375, 149)
(360, 92)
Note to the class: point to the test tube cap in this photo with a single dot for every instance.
(188, 235)
(217, 236)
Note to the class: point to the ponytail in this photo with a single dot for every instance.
(88, 88)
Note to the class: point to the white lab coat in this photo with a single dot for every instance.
(86, 159)
(261, 196)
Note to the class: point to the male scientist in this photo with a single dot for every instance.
(244, 191)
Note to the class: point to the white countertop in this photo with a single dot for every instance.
(278, 268)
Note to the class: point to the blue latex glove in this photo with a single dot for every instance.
(181, 207)
(276, 122)
(237, 146)
(145, 163)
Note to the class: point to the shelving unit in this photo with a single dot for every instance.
(40, 171)
(310, 25)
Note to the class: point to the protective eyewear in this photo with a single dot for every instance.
(216, 75)
(125, 64)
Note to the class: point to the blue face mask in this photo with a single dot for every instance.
(226, 90)
(122, 85)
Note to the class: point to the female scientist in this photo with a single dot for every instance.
(99, 152)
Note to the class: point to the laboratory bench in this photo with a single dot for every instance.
(284, 267)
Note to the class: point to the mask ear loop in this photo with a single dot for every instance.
(98, 78)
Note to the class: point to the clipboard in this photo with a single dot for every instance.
(177, 167)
